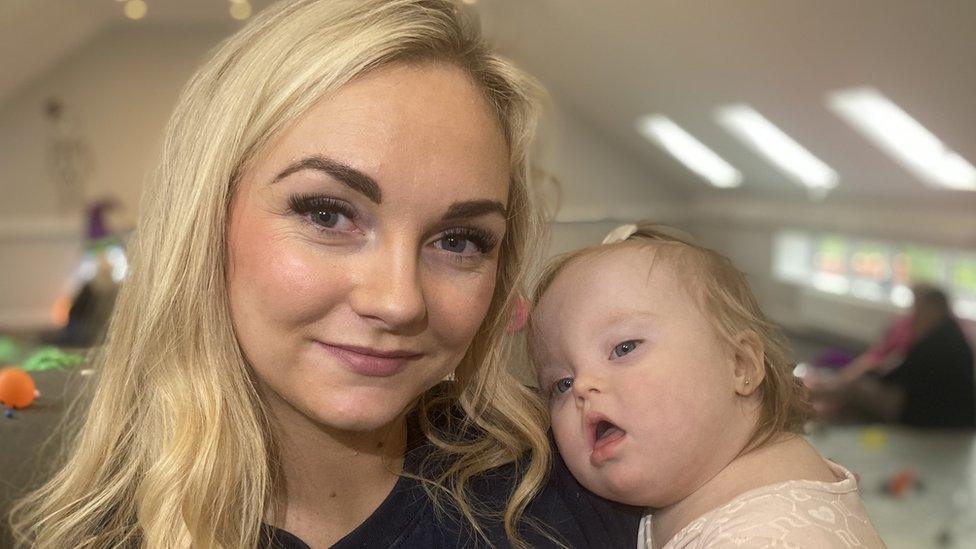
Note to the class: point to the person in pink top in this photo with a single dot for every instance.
(885, 355)
(668, 389)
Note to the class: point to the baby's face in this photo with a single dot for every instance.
(640, 386)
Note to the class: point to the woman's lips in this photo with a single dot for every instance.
(370, 362)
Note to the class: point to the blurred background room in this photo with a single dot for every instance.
(827, 147)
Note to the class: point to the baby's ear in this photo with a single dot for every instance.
(749, 362)
(519, 316)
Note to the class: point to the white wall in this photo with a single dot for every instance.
(744, 230)
(597, 186)
(118, 89)
(38, 259)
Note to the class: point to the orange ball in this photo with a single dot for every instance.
(16, 388)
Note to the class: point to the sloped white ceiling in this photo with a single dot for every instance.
(614, 60)
(35, 35)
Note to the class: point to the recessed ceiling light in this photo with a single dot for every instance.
(777, 147)
(135, 9)
(698, 158)
(240, 10)
(902, 137)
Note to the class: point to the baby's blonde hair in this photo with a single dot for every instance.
(723, 295)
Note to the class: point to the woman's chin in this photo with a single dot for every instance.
(363, 413)
(361, 423)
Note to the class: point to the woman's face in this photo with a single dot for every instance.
(364, 244)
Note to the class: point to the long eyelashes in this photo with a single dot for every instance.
(483, 240)
(305, 204)
(326, 214)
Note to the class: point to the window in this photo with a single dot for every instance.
(873, 270)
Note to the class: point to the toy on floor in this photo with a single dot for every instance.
(17, 388)
(899, 484)
(50, 358)
(874, 438)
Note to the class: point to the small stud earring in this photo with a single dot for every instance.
(748, 381)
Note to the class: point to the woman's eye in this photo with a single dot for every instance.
(563, 385)
(466, 242)
(324, 212)
(457, 244)
(624, 348)
(331, 220)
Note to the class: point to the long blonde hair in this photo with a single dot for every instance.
(177, 448)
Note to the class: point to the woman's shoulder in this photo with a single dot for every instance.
(408, 518)
(562, 508)
(591, 521)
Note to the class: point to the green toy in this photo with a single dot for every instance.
(50, 358)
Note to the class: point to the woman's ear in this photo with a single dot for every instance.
(749, 362)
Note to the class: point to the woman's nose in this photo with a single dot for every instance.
(390, 290)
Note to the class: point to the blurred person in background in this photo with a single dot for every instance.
(931, 382)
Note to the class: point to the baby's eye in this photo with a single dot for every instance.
(624, 348)
(563, 385)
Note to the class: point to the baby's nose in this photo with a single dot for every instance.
(585, 387)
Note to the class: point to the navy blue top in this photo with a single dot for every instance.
(407, 518)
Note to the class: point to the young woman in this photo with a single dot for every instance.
(339, 221)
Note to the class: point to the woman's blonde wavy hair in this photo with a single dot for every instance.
(177, 448)
(722, 292)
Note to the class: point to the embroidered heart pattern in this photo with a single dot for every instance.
(823, 514)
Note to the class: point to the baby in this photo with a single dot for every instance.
(669, 389)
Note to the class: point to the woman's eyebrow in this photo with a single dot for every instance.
(347, 175)
(474, 208)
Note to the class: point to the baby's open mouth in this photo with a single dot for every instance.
(605, 428)
(606, 432)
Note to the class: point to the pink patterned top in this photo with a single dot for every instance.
(797, 513)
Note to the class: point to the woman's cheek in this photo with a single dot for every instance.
(458, 304)
(298, 287)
